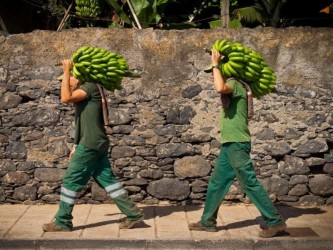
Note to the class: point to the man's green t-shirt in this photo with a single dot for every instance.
(234, 121)
(89, 124)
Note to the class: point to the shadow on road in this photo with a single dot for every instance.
(152, 212)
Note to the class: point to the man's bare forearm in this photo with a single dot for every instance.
(65, 85)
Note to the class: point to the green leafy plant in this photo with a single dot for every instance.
(143, 12)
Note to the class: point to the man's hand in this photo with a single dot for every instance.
(72, 152)
(67, 65)
(216, 57)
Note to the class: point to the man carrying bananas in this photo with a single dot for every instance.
(89, 158)
(234, 158)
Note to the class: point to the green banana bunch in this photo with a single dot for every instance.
(246, 64)
(101, 66)
(87, 8)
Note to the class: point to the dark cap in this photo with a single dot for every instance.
(208, 69)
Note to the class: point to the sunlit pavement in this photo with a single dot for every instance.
(165, 227)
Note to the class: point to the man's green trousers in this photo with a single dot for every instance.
(87, 163)
(234, 161)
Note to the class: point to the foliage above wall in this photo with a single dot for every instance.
(161, 14)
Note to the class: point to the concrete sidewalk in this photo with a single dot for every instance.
(165, 227)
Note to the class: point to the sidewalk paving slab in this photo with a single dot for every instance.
(165, 227)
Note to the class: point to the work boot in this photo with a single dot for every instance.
(199, 227)
(52, 227)
(271, 231)
(127, 224)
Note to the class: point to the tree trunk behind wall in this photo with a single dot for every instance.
(225, 13)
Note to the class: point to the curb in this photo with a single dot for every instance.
(226, 244)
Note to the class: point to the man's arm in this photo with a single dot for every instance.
(68, 96)
(219, 80)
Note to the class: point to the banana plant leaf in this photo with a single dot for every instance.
(215, 24)
(148, 11)
(233, 24)
(118, 9)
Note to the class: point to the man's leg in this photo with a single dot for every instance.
(219, 183)
(105, 178)
(76, 177)
(246, 176)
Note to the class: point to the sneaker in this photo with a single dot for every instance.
(271, 231)
(199, 227)
(52, 227)
(127, 224)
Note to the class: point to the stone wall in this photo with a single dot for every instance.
(165, 125)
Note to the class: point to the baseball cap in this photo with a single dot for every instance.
(208, 69)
